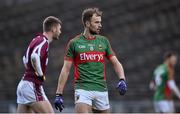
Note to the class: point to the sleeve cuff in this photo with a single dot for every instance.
(68, 58)
(109, 56)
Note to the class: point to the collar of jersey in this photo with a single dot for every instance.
(40, 34)
(89, 38)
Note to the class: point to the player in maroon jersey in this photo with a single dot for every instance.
(30, 92)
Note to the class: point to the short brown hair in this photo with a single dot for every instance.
(49, 22)
(88, 13)
(168, 54)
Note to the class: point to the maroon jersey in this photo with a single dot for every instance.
(40, 46)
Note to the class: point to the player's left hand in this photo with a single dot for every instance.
(122, 87)
(41, 78)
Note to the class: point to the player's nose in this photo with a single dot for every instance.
(100, 25)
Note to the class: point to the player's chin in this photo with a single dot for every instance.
(98, 32)
(56, 38)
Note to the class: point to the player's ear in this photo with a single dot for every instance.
(53, 29)
(87, 24)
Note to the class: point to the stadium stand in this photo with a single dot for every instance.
(140, 32)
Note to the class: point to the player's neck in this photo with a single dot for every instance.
(48, 36)
(87, 34)
(169, 64)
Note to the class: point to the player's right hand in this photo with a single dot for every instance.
(58, 102)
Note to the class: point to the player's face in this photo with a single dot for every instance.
(95, 24)
(56, 32)
(173, 60)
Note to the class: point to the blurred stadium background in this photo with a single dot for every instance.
(140, 31)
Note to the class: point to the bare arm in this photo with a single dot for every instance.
(117, 67)
(63, 76)
(174, 88)
(172, 84)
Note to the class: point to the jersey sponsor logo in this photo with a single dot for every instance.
(82, 46)
(91, 56)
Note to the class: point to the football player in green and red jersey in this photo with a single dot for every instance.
(88, 51)
(163, 83)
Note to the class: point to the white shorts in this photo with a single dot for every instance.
(165, 106)
(28, 92)
(98, 100)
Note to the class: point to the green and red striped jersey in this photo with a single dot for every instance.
(161, 75)
(88, 55)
